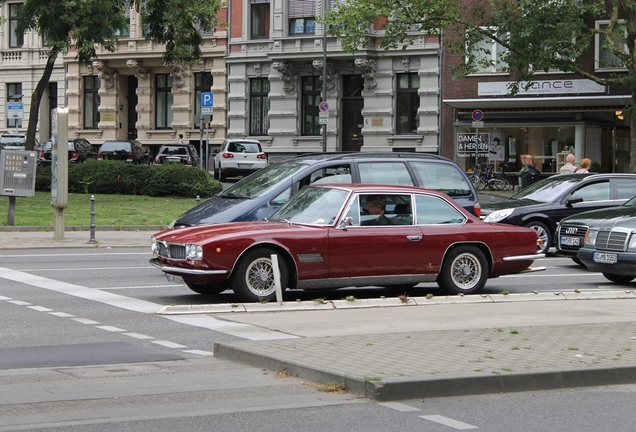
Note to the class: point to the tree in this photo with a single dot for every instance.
(84, 24)
(537, 36)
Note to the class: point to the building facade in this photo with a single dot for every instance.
(126, 94)
(560, 113)
(375, 100)
(22, 61)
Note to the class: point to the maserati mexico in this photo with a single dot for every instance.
(334, 236)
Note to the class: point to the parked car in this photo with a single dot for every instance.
(260, 194)
(238, 157)
(178, 153)
(79, 150)
(609, 247)
(571, 230)
(322, 241)
(128, 151)
(543, 204)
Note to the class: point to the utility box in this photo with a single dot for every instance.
(17, 172)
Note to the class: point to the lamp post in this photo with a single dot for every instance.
(324, 83)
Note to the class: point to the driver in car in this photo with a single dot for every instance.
(375, 206)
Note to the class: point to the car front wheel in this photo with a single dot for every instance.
(464, 271)
(544, 234)
(619, 279)
(253, 279)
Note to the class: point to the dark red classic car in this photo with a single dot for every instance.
(334, 236)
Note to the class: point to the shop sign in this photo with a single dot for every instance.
(467, 146)
(541, 87)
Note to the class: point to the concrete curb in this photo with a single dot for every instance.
(390, 302)
(450, 385)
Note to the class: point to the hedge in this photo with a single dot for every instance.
(113, 177)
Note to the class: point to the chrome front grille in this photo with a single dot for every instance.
(614, 240)
(171, 250)
(572, 231)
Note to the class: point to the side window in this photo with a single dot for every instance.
(281, 198)
(330, 174)
(599, 191)
(385, 173)
(386, 209)
(432, 210)
(625, 188)
(442, 177)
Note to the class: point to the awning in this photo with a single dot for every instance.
(609, 101)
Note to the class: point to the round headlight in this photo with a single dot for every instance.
(194, 251)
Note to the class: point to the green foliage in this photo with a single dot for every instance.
(113, 177)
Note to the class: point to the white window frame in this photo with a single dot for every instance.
(598, 25)
(496, 49)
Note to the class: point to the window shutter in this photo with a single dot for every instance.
(302, 8)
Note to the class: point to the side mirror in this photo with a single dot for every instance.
(346, 223)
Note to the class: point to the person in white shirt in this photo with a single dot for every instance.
(569, 167)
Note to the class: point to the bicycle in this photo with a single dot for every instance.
(477, 178)
(506, 182)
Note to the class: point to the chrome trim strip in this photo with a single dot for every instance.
(523, 257)
(178, 270)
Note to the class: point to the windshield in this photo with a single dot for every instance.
(630, 203)
(115, 146)
(547, 189)
(313, 205)
(261, 182)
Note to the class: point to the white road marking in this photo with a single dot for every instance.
(449, 422)
(85, 321)
(199, 352)
(111, 328)
(77, 269)
(245, 331)
(21, 257)
(168, 344)
(62, 314)
(138, 335)
(40, 308)
(5, 298)
(19, 303)
(398, 406)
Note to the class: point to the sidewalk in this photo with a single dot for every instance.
(387, 349)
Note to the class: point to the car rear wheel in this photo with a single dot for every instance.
(206, 289)
(544, 234)
(216, 173)
(464, 270)
(222, 176)
(620, 279)
(253, 278)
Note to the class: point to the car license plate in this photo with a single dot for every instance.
(173, 278)
(245, 165)
(607, 258)
(570, 241)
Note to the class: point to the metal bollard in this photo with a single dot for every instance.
(92, 239)
(198, 199)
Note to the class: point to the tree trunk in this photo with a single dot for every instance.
(36, 98)
(632, 136)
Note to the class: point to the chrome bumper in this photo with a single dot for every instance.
(523, 257)
(182, 271)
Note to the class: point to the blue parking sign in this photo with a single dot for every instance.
(207, 99)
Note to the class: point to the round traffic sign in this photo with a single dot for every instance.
(323, 106)
(478, 115)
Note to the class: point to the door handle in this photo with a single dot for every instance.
(414, 238)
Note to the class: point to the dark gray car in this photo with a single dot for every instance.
(260, 194)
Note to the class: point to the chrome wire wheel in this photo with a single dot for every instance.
(466, 271)
(259, 277)
(253, 277)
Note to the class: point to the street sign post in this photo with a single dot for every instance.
(478, 121)
(207, 106)
(15, 110)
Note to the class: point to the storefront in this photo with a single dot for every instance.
(539, 123)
